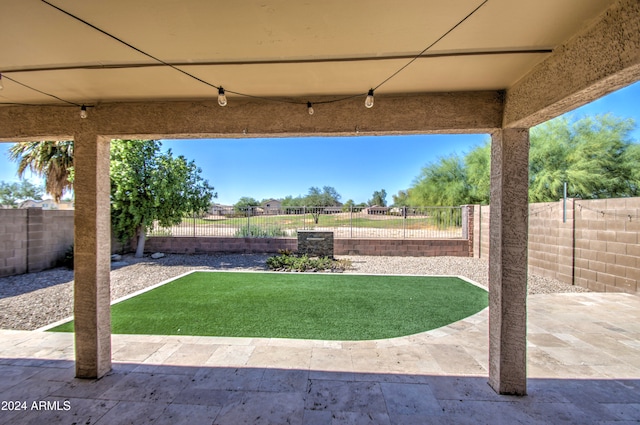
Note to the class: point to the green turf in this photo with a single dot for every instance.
(293, 305)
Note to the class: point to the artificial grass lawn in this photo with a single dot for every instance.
(294, 305)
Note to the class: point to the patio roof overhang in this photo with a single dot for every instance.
(487, 65)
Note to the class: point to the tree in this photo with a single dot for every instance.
(378, 198)
(478, 171)
(149, 186)
(441, 183)
(594, 155)
(327, 197)
(401, 199)
(244, 205)
(52, 160)
(12, 193)
(317, 200)
(589, 154)
(348, 206)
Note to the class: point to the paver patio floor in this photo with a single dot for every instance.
(583, 367)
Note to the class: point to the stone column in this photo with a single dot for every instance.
(92, 245)
(508, 261)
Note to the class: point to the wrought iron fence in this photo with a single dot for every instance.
(349, 222)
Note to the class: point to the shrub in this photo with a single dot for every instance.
(291, 263)
(260, 232)
(67, 260)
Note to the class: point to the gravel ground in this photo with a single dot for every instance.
(31, 301)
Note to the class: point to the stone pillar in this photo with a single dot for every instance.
(508, 261)
(92, 244)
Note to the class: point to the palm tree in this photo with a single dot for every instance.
(52, 160)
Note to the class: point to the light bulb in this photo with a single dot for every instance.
(369, 100)
(222, 99)
(83, 112)
(310, 108)
(1, 85)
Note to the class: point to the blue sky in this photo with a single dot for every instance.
(354, 166)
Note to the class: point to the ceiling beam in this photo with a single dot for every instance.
(459, 112)
(284, 61)
(603, 58)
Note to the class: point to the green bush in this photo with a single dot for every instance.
(67, 260)
(290, 263)
(260, 232)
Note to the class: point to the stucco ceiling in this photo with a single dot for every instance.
(273, 48)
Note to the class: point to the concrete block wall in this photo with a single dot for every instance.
(607, 244)
(13, 243)
(406, 247)
(403, 247)
(33, 239)
(481, 231)
(209, 245)
(551, 240)
(597, 247)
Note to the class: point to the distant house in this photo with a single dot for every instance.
(376, 210)
(272, 207)
(332, 210)
(218, 209)
(47, 204)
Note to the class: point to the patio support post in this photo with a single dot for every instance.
(508, 261)
(92, 244)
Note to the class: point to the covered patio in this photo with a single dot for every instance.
(138, 69)
(583, 367)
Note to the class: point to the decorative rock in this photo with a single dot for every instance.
(157, 255)
(116, 257)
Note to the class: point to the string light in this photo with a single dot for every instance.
(222, 98)
(310, 108)
(368, 102)
(83, 112)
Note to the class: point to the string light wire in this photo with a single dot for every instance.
(281, 100)
(4, 76)
(429, 46)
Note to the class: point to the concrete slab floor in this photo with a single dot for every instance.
(583, 367)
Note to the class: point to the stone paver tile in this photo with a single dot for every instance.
(331, 359)
(135, 351)
(15, 375)
(228, 378)
(191, 355)
(207, 397)
(187, 414)
(579, 357)
(281, 357)
(163, 352)
(359, 418)
(284, 380)
(89, 388)
(263, 408)
(339, 396)
(147, 387)
(230, 355)
(467, 388)
(545, 340)
(133, 412)
(454, 359)
(409, 399)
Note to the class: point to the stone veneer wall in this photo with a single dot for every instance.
(33, 239)
(597, 247)
(315, 243)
